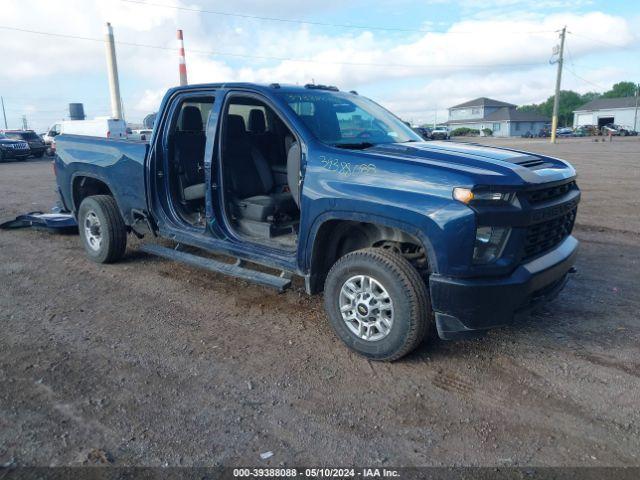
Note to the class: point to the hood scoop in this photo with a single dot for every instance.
(528, 161)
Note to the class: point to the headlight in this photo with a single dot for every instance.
(466, 196)
(490, 242)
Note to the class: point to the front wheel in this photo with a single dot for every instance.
(102, 230)
(377, 303)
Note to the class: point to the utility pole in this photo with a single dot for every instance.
(635, 117)
(4, 114)
(556, 98)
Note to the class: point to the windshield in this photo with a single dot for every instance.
(21, 135)
(2, 135)
(347, 120)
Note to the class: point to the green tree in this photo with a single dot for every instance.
(569, 101)
(621, 89)
(587, 97)
(530, 108)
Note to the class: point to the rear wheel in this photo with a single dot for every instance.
(377, 303)
(102, 230)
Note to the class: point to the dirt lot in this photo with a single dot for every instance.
(154, 363)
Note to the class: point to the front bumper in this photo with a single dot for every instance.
(465, 307)
(18, 154)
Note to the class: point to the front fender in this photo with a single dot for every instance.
(446, 233)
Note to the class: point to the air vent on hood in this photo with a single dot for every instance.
(529, 161)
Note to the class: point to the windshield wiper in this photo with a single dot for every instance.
(354, 146)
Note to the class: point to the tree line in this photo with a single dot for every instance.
(570, 101)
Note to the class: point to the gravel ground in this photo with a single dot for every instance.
(147, 362)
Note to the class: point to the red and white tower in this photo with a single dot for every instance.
(182, 67)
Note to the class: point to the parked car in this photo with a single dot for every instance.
(399, 233)
(440, 133)
(617, 130)
(13, 149)
(35, 142)
(143, 134)
(97, 127)
(564, 132)
(610, 129)
(586, 131)
(589, 130)
(424, 132)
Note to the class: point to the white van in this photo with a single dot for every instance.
(98, 127)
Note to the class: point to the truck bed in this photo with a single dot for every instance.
(118, 163)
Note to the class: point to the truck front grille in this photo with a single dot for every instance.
(545, 194)
(543, 236)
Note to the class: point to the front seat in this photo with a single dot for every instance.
(189, 142)
(294, 157)
(250, 177)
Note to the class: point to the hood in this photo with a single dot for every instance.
(477, 159)
(9, 141)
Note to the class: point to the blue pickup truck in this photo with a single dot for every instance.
(400, 234)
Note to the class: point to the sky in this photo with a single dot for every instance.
(417, 58)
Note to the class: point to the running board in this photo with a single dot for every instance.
(280, 283)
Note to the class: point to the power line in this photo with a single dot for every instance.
(311, 22)
(572, 72)
(623, 47)
(283, 59)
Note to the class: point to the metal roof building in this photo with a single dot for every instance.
(603, 111)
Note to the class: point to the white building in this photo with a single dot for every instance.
(603, 111)
(502, 118)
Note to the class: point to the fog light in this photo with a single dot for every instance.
(490, 242)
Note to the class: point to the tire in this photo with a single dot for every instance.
(102, 230)
(39, 155)
(408, 304)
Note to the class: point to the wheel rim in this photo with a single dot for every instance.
(366, 308)
(93, 231)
